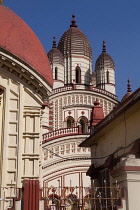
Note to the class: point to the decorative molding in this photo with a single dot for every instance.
(17, 70)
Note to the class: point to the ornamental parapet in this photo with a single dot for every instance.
(61, 89)
(62, 132)
(83, 87)
(98, 90)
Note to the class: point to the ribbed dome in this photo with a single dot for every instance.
(17, 38)
(54, 55)
(73, 41)
(104, 60)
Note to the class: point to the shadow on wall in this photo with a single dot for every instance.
(94, 79)
(88, 77)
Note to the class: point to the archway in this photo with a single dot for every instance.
(70, 122)
(83, 122)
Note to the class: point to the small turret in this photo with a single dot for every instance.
(97, 115)
(57, 64)
(105, 71)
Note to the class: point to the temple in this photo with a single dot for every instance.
(49, 104)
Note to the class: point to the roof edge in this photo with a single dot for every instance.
(125, 105)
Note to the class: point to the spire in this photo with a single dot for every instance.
(1, 2)
(73, 22)
(104, 47)
(129, 86)
(54, 42)
(129, 91)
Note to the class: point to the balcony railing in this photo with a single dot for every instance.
(62, 132)
(98, 90)
(61, 89)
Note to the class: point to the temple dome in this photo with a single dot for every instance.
(54, 55)
(17, 38)
(74, 41)
(104, 60)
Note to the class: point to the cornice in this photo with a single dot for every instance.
(83, 92)
(23, 73)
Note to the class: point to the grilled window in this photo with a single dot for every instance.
(104, 184)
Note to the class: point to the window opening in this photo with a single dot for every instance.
(104, 184)
(78, 74)
(70, 122)
(83, 125)
(56, 71)
(107, 76)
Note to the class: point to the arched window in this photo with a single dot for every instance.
(78, 74)
(56, 71)
(107, 76)
(83, 122)
(70, 122)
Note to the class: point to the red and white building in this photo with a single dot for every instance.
(76, 90)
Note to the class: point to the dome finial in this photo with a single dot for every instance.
(104, 47)
(54, 42)
(1, 2)
(73, 22)
(129, 91)
(128, 86)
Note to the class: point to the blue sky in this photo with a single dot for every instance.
(116, 22)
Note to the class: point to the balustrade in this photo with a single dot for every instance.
(62, 132)
(61, 89)
(81, 86)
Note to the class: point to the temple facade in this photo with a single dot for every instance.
(47, 108)
(78, 88)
